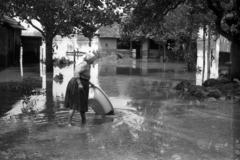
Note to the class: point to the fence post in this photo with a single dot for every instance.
(74, 56)
(77, 53)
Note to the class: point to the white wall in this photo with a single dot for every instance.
(217, 45)
(77, 43)
(107, 44)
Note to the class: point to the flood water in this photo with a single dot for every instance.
(152, 121)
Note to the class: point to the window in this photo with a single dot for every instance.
(153, 45)
(123, 44)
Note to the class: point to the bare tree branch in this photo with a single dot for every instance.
(219, 14)
(221, 31)
(172, 7)
(34, 26)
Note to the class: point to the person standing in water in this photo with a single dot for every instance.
(76, 97)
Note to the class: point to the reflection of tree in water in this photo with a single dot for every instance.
(59, 102)
(49, 111)
(147, 96)
(62, 62)
(150, 90)
(147, 126)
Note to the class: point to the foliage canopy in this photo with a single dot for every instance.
(64, 17)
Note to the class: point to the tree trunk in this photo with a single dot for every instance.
(49, 54)
(235, 58)
(189, 63)
(131, 46)
(204, 56)
(164, 52)
(209, 54)
(49, 110)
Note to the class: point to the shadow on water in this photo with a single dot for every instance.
(151, 121)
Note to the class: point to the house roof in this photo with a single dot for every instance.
(27, 33)
(109, 31)
(13, 23)
(113, 32)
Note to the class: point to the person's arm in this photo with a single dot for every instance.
(91, 84)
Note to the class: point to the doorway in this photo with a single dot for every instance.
(31, 49)
(137, 45)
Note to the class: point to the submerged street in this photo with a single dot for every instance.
(152, 120)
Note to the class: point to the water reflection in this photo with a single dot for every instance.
(150, 116)
(59, 89)
(37, 102)
(117, 80)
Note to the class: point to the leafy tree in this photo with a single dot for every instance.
(179, 22)
(145, 15)
(227, 23)
(146, 18)
(64, 17)
(3, 9)
(153, 17)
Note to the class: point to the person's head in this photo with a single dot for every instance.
(90, 58)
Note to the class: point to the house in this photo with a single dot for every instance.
(142, 47)
(110, 41)
(10, 42)
(107, 39)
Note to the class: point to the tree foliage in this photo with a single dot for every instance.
(227, 23)
(227, 20)
(64, 17)
(3, 9)
(162, 20)
(179, 22)
(147, 17)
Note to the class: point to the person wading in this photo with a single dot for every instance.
(76, 97)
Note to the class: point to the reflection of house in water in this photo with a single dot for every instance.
(10, 32)
(142, 68)
(129, 71)
(59, 89)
